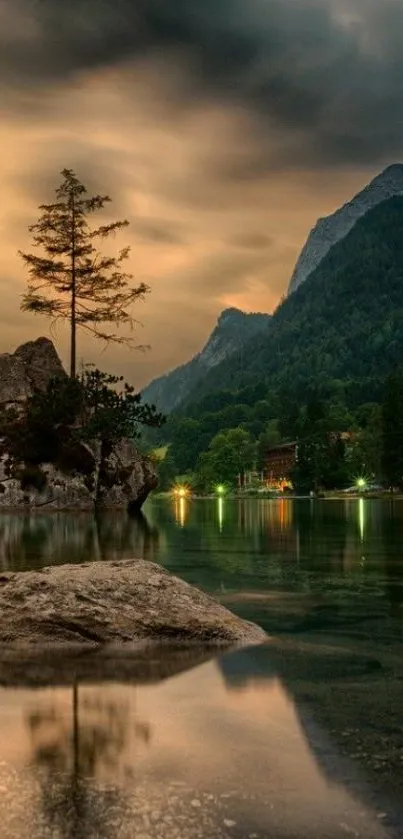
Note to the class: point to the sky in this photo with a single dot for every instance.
(222, 130)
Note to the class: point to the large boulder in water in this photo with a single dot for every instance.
(117, 606)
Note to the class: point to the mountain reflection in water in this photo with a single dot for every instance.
(218, 751)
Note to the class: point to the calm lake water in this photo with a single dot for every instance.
(301, 737)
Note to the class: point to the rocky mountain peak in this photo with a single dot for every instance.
(230, 314)
(393, 170)
(333, 228)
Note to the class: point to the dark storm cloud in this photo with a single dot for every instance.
(327, 75)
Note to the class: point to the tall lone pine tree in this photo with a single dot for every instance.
(73, 281)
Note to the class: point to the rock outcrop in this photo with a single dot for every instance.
(126, 605)
(127, 481)
(335, 227)
(128, 477)
(234, 329)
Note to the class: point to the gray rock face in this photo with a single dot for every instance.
(234, 328)
(335, 227)
(111, 603)
(62, 492)
(31, 366)
(130, 478)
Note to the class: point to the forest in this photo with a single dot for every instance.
(336, 445)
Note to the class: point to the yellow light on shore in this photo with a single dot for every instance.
(181, 492)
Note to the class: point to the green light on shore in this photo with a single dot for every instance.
(361, 483)
(220, 489)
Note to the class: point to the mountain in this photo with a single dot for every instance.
(234, 329)
(330, 230)
(342, 328)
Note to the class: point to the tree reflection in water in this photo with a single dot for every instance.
(29, 542)
(69, 755)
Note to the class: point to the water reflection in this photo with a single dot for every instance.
(232, 545)
(181, 510)
(64, 749)
(227, 757)
(35, 540)
(220, 512)
(361, 518)
(91, 740)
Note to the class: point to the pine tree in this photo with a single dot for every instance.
(73, 281)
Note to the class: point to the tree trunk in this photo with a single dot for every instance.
(99, 488)
(73, 341)
(73, 325)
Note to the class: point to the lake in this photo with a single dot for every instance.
(300, 737)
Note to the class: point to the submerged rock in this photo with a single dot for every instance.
(125, 603)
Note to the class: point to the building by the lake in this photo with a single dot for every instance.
(279, 464)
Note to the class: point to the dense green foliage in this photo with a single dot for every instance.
(322, 462)
(392, 431)
(327, 458)
(190, 435)
(228, 456)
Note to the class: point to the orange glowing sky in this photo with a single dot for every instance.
(220, 190)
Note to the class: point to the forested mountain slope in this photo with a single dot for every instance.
(342, 326)
(234, 328)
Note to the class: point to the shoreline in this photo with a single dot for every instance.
(333, 495)
(169, 496)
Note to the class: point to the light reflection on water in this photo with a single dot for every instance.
(227, 544)
(218, 751)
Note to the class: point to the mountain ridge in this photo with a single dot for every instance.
(232, 331)
(331, 229)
